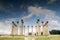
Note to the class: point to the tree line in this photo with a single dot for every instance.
(55, 32)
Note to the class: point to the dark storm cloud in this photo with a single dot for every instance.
(12, 8)
(18, 8)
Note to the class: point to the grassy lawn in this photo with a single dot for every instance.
(55, 38)
(42, 38)
(36, 38)
(5, 38)
(48, 38)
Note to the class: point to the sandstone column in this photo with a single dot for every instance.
(14, 29)
(28, 30)
(21, 27)
(36, 30)
(24, 30)
(38, 27)
(42, 28)
(46, 29)
(32, 29)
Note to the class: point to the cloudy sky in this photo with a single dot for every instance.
(30, 11)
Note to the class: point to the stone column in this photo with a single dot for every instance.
(38, 27)
(21, 27)
(32, 29)
(42, 28)
(36, 30)
(46, 29)
(39, 33)
(24, 30)
(28, 30)
(14, 29)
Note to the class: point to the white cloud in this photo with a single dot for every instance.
(5, 27)
(46, 13)
(39, 11)
(54, 24)
(25, 17)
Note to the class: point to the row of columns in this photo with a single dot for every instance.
(38, 28)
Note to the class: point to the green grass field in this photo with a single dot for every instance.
(48, 38)
(6, 38)
(36, 38)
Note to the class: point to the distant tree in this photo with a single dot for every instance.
(55, 32)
